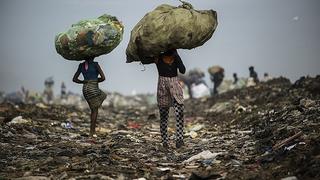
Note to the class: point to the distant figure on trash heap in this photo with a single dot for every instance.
(63, 91)
(48, 91)
(170, 93)
(235, 78)
(193, 78)
(91, 92)
(216, 77)
(253, 74)
(266, 77)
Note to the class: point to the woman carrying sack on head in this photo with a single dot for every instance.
(91, 92)
(170, 93)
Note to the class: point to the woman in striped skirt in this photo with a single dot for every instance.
(170, 93)
(91, 92)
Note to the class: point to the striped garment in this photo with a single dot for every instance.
(93, 95)
(169, 89)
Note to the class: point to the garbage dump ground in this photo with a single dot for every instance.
(268, 131)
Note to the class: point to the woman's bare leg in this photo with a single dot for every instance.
(94, 114)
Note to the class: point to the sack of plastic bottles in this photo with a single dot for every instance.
(169, 27)
(90, 38)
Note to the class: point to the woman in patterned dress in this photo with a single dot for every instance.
(170, 94)
(91, 92)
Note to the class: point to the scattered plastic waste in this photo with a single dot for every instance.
(276, 137)
(203, 155)
(18, 120)
(67, 125)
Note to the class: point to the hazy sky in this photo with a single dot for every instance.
(276, 36)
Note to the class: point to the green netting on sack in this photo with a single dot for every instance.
(90, 38)
(169, 27)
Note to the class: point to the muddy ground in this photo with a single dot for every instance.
(269, 131)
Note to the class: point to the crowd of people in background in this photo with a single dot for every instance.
(171, 92)
(31, 97)
(193, 82)
(195, 85)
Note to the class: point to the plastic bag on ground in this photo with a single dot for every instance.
(203, 155)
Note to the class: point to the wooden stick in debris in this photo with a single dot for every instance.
(286, 141)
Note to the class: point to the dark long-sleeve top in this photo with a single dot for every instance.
(170, 70)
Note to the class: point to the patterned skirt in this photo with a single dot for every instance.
(93, 95)
(169, 89)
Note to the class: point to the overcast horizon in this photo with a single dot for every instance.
(278, 37)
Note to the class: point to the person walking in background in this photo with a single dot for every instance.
(63, 91)
(216, 77)
(266, 77)
(25, 94)
(48, 91)
(235, 78)
(91, 92)
(170, 93)
(193, 78)
(253, 74)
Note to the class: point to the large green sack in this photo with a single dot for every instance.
(169, 27)
(90, 38)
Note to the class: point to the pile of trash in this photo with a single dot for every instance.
(282, 120)
(267, 131)
(117, 100)
(75, 100)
